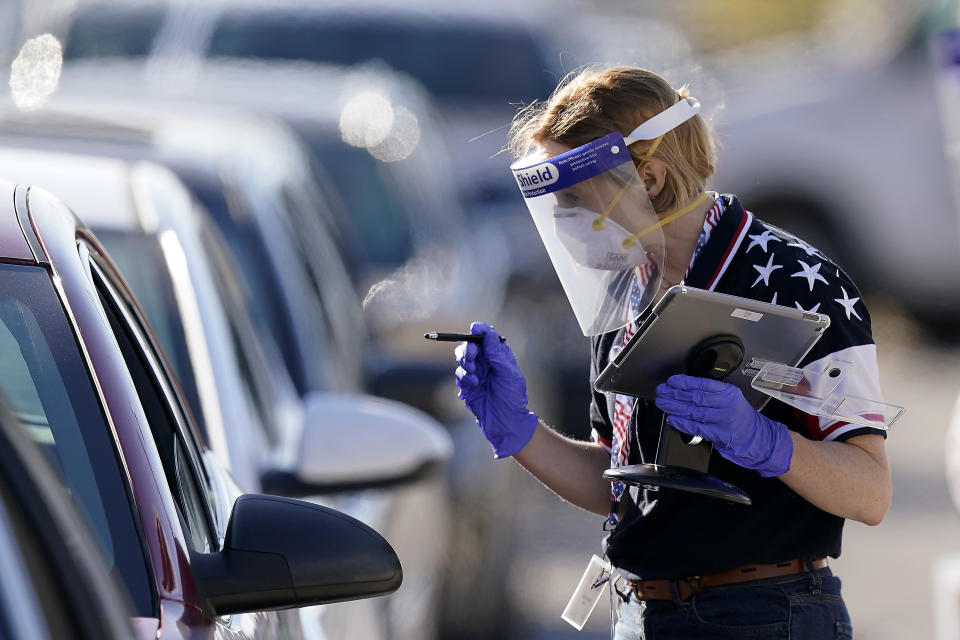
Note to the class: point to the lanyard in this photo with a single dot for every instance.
(624, 405)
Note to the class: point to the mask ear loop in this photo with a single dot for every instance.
(673, 116)
(597, 224)
(632, 240)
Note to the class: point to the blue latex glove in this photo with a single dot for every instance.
(719, 412)
(493, 388)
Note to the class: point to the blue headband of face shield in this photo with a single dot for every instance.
(538, 175)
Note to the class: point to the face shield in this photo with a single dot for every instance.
(597, 223)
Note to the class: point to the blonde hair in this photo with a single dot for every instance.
(593, 102)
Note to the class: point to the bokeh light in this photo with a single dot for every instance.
(35, 72)
(366, 119)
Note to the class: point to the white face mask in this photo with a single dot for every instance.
(601, 249)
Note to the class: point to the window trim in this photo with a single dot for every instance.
(132, 320)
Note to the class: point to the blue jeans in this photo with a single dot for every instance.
(805, 606)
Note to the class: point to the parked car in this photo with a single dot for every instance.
(205, 152)
(83, 372)
(180, 271)
(304, 297)
(470, 112)
(55, 583)
(455, 51)
(424, 292)
(803, 155)
(418, 259)
(458, 51)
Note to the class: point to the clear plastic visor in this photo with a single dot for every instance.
(599, 228)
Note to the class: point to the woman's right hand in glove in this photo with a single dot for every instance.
(494, 389)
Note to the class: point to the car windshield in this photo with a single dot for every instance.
(454, 61)
(112, 31)
(45, 379)
(140, 260)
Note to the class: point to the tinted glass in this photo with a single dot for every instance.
(453, 60)
(113, 31)
(266, 305)
(234, 297)
(141, 262)
(327, 275)
(155, 397)
(43, 590)
(47, 384)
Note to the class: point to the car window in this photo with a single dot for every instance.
(233, 296)
(327, 276)
(29, 597)
(434, 51)
(141, 262)
(181, 461)
(265, 305)
(105, 31)
(46, 381)
(31, 592)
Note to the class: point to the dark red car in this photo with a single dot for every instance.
(81, 371)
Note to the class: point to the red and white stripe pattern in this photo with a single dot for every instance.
(713, 216)
(739, 237)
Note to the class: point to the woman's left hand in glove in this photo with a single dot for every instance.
(718, 412)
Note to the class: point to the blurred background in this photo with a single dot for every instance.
(380, 125)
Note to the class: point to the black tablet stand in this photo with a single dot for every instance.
(682, 461)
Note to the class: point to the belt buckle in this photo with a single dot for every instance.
(691, 585)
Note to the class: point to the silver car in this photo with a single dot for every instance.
(371, 454)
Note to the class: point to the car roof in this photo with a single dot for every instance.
(185, 134)
(316, 99)
(70, 176)
(300, 90)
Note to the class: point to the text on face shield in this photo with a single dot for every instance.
(538, 176)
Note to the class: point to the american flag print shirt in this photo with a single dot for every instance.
(747, 257)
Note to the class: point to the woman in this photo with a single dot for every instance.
(695, 567)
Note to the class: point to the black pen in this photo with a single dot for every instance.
(442, 336)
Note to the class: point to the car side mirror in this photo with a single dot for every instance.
(280, 553)
(352, 441)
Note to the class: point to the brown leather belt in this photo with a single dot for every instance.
(685, 587)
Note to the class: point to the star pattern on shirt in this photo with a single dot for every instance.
(636, 295)
(848, 303)
(795, 275)
(811, 273)
(765, 272)
(761, 240)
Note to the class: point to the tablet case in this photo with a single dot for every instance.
(686, 317)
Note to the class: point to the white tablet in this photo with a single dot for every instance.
(687, 317)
